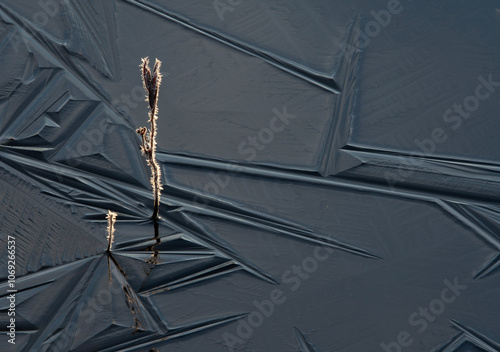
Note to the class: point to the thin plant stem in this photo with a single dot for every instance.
(151, 82)
(111, 217)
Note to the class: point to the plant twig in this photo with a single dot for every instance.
(151, 82)
(111, 217)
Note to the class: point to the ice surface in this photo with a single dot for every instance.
(330, 174)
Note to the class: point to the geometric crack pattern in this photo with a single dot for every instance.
(330, 171)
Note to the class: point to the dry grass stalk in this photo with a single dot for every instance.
(111, 217)
(151, 82)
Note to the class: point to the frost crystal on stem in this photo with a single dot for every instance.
(111, 217)
(151, 82)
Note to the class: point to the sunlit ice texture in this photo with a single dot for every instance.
(329, 171)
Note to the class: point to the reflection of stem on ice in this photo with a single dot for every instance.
(138, 325)
(154, 256)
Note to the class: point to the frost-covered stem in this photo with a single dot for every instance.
(152, 83)
(111, 217)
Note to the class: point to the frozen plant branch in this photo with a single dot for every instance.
(151, 82)
(111, 217)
